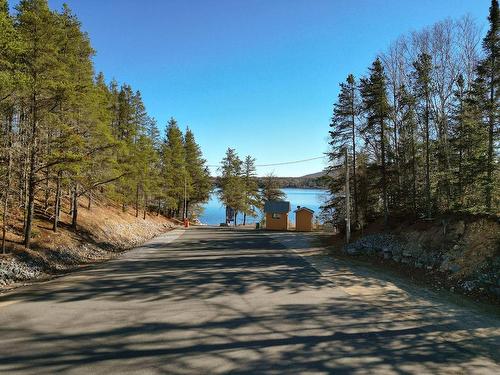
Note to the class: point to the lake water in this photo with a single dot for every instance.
(214, 212)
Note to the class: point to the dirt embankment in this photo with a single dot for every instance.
(103, 232)
(459, 253)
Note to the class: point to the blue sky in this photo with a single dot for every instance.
(256, 75)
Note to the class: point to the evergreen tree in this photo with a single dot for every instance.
(174, 173)
(10, 80)
(73, 123)
(408, 150)
(270, 189)
(11, 47)
(40, 31)
(231, 184)
(342, 136)
(489, 77)
(469, 146)
(423, 93)
(199, 188)
(376, 107)
(252, 194)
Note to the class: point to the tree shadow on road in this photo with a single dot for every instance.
(339, 333)
(341, 336)
(186, 269)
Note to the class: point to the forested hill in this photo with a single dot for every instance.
(316, 180)
(311, 181)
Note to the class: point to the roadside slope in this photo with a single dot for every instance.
(103, 231)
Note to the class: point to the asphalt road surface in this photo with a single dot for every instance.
(214, 300)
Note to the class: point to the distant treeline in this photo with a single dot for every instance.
(298, 182)
(291, 182)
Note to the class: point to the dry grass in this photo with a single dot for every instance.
(104, 222)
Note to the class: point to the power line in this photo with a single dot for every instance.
(282, 163)
(290, 162)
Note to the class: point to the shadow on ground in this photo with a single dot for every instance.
(266, 311)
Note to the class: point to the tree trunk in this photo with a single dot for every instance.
(235, 217)
(8, 183)
(89, 203)
(492, 108)
(414, 174)
(30, 207)
(47, 189)
(384, 181)
(347, 203)
(460, 156)
(57, 205)
(74, 217)
(31, 175)
(353, 125)
(47, 174)
(244, 218)
(137, 200)
(145, 206)
(427, 162)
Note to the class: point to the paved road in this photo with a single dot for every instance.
(213, 300)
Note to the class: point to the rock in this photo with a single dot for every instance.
(460, 227)
(352, 250)
(454, 267)
(445, 265)
(495, 291)
(469, 286)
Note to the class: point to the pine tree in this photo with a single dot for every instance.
(199, 187)
(39, 29)
(489, 76)
(423, 93)
(270, 189)
(469, 146)
(175, 175)
(11, 47)
(100, 166)
(376, 107)
(68, 136)
(10, 80)
(231, 183)
(252, 194)
(408, 149)
(343, 135)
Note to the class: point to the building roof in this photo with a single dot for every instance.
(304, 209)
(277, 207)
